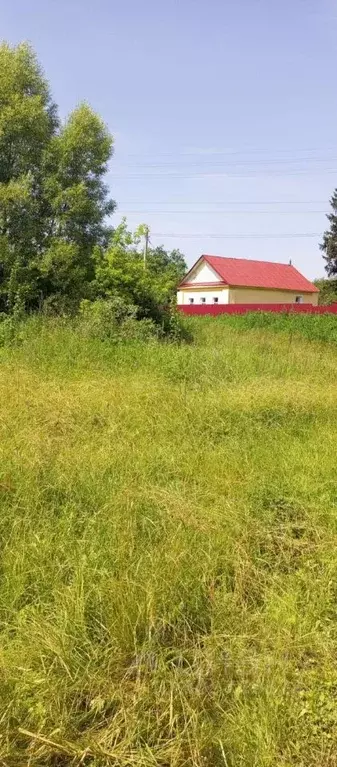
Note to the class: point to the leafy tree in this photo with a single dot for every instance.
(120, 271)
(329, 244)
(76, 191)
(27, 123)
(55, 244)
(78, 205)
(328, 290)
(53, 200)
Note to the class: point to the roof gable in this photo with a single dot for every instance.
(203, 272)
(242, 272)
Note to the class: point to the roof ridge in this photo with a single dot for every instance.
(247, 260)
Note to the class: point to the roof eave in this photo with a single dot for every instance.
(269, 287)
(201, 285)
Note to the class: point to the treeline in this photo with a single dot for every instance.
(58, 249)
(57, 246)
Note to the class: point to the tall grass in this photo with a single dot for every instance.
(168, 550)
(318, 327)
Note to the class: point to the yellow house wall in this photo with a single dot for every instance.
(263, 296)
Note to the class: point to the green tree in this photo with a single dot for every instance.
(329, 244)
(78, 203)
(27, 123)
(328, 290)
(120, 271)
(53, 200)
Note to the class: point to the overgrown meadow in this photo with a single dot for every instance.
(168, 540)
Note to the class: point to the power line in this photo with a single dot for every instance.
(212, 163)
(225, 202)
(201, 235)
(248, 174)
(228, 152)
(222, 211)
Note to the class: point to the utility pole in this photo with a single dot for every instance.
(146, 244)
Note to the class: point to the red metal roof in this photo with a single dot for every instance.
(242, 272)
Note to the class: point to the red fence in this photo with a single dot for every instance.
(216, 309)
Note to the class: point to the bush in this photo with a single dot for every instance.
(114, 319)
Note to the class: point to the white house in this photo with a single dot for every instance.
(218, 280)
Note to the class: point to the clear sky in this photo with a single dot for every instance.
(224, 113)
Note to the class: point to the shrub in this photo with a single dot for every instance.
(114, 319)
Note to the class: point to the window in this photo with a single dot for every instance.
(215, 299)
(191, 300)
(203, 300)
(298, 299)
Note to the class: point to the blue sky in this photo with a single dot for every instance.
(224, 113)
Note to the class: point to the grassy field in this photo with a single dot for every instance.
(168, 528)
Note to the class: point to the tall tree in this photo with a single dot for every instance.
(75, 166)
(53, 200)
(329, 244)
(27, 124)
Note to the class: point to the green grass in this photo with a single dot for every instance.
(318, 327)
(168, 528)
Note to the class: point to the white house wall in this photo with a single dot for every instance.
(184, 296)
(203, 272)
